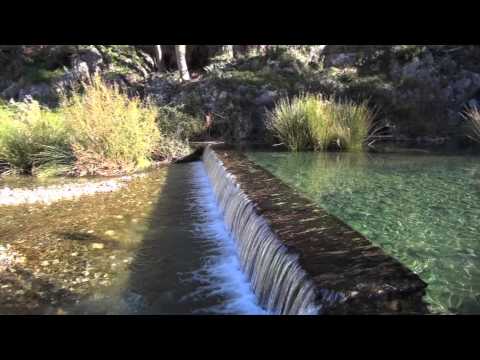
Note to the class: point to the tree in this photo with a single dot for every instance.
(180, 51)
(227, 51)
(158, 57)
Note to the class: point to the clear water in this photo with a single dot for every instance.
(277, 278)
(166, 250)
(422, 209)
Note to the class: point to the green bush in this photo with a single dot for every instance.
(174, 122)
(310, 122)
(98, 131)
(35, 74)
(109, 129)
(289, 122)
(32, 136)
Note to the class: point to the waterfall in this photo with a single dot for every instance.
(275, 275)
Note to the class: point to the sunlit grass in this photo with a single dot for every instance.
(109, 128)
(97, 130)
(30, 133)
(472, 115)
(311, 122)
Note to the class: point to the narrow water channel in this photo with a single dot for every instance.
(168, 242)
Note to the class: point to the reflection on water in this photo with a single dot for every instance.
(158, 246)
(424, 210)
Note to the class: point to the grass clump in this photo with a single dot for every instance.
(98, 130)
(311, 122)
(472, 115)
(110, 130)
(32, 137)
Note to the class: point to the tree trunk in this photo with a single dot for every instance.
(158, 57)
(227, 51)
(180, 51)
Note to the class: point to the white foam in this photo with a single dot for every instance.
(221, 273)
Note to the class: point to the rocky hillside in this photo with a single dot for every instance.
(419, 90)
(43, 72)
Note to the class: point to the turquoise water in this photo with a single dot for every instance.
(422, 209)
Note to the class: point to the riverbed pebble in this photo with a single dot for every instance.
(50, 194)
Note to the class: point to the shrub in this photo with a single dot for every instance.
(176, 123)
(347, 125)
(32, 137)
(472, 115)
(289, 122)
(109, 128)
(98, 131)
(37, 74)
(310, 122)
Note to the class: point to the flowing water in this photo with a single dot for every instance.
(277, 279)
(158, 246)
(422, 209)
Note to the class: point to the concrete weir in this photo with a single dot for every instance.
(300, 259)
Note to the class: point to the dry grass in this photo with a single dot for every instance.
(98, 130)
(110, 129)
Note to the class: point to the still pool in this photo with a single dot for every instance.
(422, 209)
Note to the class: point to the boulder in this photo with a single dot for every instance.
(91, 57)
(41, 92)
(266, 98)
(11, 91)
(80, 69)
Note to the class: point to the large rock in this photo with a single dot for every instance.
(266, 98)
(42, 92)
(80, 69)
(91, 57)
(11, 91)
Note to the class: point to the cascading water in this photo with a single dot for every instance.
(276, 277)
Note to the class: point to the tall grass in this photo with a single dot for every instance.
(472, 115)
(290, 122)
(110, 129)
(28, 132)
(311, 122)
(98, 130)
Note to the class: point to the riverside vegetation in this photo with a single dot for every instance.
(420, 90)
(97, 130)
(311, 122)
(472, 115)
(108, 110)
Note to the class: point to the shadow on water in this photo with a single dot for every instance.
(171, 249)
(186, 261)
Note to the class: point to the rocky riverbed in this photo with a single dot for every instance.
(55, 254)
(50, 194)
